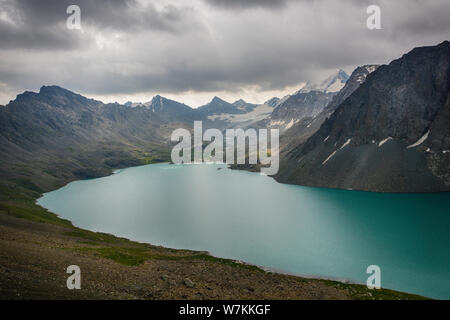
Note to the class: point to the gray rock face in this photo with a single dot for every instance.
(358, 77)
(244, 106)
(391, 134)
(295, 108)
(305, 104)
(302, 105)
(302, 130)
(272, 102)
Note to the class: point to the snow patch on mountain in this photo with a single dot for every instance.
(346, 144)
(334, 83)
(420, 141)
(329, 157)
(384, 141)
(371, 69)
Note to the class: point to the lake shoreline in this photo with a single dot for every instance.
(267, 269)
(47, 249)
(40, 245)
(271, 269)
(255, 169)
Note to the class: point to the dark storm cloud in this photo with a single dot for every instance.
(12, 37)
(42, 24)
(138, 46)
(241, 4)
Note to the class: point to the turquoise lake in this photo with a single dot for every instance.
(323, 233)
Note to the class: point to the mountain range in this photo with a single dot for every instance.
(55, 136)
(383, 128)
(391, 134)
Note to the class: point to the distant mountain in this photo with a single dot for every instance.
(133, 104)
(272, 102)
(171, 110)
(305, 104)
(216, 114)
(244, 106)
(391, 134)
(294, 108)
(304, 129)
(218, 106)
(57, 135)
(334, 83)
(222, 115)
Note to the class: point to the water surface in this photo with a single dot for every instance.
(300, 230)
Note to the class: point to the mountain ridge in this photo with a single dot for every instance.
(56, 134)
(304, 129)
(397, 112)
(332, 84)
(364, 143)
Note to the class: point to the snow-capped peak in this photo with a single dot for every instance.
(334, 83)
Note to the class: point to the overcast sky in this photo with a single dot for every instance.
(191, 50)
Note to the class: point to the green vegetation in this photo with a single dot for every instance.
(134, 256)
(18, 199)
(153, 157)
(126, 256)
(232, 263)
(92, 236)
(33, 213)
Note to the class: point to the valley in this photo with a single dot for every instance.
(383, 129)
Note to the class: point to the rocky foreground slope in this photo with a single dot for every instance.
(392, 134)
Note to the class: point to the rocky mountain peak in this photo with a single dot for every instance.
(333, 83)
(272, 102)
(157, 100)
(240, 102)
(52, 89)
(216, 99)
